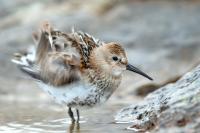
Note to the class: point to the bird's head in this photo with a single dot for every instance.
(111, 58)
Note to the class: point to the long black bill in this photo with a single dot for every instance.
(138, 71)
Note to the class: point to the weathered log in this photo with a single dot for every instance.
(174, 107)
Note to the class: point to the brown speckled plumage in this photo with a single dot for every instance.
(76, 69)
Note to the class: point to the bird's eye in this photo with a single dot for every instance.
(115, 58)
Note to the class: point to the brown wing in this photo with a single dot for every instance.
(43, 42)
(59, 57)
(59, 69)
(56, 61)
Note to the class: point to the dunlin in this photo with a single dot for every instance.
(76, 69)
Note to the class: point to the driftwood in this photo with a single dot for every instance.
(172, 108)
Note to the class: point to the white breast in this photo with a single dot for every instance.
(66, 94)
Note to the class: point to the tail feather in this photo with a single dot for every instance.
(32, 72)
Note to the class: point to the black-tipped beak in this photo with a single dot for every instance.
(138, 71)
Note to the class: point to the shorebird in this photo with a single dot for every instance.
(76, 69)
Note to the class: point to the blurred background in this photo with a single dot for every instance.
(162, 37)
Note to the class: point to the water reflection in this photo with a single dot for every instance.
(20, 118)
(74, 127)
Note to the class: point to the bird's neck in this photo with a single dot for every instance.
(102, 80)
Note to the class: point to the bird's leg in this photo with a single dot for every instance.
(78, 115)
(71, 114)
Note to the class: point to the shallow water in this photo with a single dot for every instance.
(46, 118)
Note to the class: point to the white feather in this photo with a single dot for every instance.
(66, 94)
(25, 60)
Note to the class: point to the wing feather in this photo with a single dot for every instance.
(58, 56)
